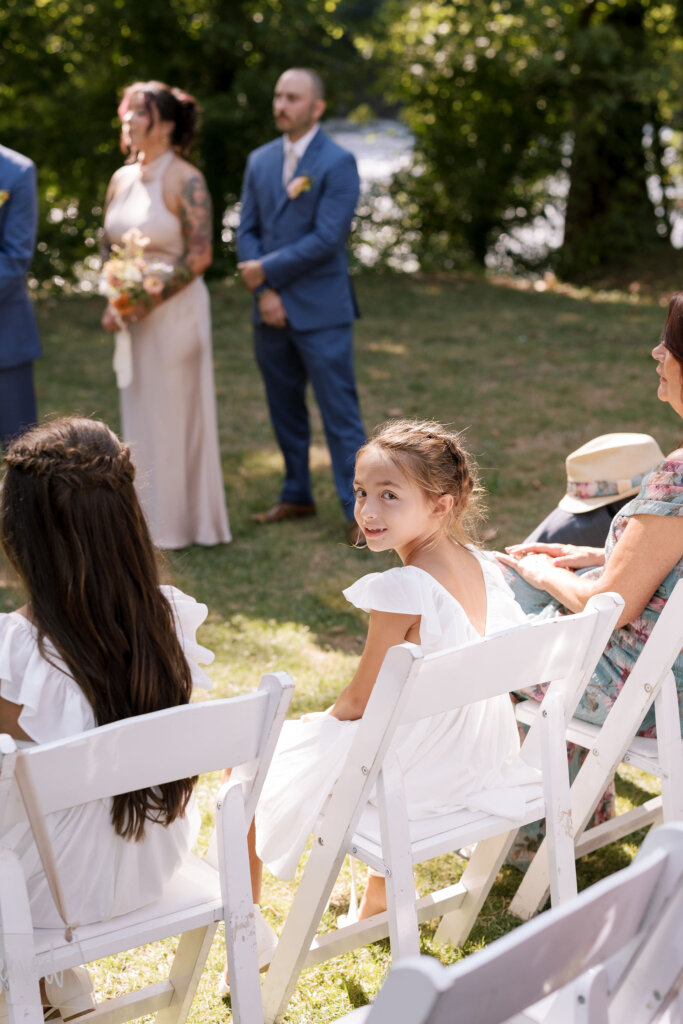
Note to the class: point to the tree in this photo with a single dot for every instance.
(63, 66)
(505, 96)
(620, 93)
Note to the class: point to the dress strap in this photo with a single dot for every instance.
(155, 170)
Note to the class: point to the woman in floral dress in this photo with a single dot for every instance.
(642, 559)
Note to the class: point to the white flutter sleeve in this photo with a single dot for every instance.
(53, 704)
(189, 616)
(408, 590)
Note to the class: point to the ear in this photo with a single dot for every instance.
(319, 109)
(442, 505)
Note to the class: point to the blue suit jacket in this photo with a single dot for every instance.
(302, 241)
(19, 341)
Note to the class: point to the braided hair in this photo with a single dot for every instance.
(437, 461)
(72, 528)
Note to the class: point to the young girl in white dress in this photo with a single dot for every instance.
(98, 640)
(417, 493)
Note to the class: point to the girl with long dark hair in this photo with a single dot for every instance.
(98, 640)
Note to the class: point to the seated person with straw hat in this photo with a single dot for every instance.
(602, 475)
(642, 558)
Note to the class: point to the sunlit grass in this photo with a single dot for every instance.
(529, 376)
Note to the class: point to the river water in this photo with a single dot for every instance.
(383, 146)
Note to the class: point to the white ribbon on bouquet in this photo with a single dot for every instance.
(122, 362)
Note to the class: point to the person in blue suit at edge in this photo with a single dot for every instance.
(19, 341)
(298, 200)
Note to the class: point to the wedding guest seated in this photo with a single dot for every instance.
(416, 493)
(601, 477)
(642, 559)
(97, 640)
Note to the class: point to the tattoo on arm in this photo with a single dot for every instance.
(195, 220)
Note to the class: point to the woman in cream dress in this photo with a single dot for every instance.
(168, 410)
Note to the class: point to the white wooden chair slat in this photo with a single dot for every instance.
(128, 755)
(650, 680)
(561, 659)
(595, 960)
(410, 686)
(77, 768)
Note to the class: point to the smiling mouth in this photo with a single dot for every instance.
(373, 531)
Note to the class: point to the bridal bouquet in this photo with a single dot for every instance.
(127, 278)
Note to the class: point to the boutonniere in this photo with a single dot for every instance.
(4, 196)
(298, 185)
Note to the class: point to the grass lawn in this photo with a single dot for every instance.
(529, 375)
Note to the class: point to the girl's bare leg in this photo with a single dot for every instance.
(374, 899)
(255, 865)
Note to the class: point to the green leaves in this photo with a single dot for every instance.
(504, 96)
(64, 63)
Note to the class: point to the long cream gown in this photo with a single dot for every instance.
(168, 412)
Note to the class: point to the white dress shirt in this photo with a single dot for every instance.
(294, 152)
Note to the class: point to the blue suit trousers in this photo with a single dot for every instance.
(17, 401)
(287, 359)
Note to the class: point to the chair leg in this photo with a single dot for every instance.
(352, 916)
(186, 970)
(23, 999)
(534, 888)
(17, 957)
(558, 813)
(670, 749)
(238, 906)
(404, 932)
(477, 879)
(310, 900)
(655, 974)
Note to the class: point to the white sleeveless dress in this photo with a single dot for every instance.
(464, 758)
(168, 412)
(103, 874)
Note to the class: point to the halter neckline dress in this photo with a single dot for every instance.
(168, 412)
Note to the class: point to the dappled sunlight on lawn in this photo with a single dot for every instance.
(248, 646)
(390, 348)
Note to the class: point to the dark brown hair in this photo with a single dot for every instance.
(437, 461)
(72, 527)
(171, 105)
(672, 335)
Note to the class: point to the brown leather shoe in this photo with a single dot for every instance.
(356, 536)
(283, 510)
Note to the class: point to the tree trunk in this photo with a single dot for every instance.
(609, 215)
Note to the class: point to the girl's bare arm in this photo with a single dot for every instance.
(386, 629)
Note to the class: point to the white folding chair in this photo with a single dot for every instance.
(615, 742)
(132, 754)
(613, 955)
(411, 687)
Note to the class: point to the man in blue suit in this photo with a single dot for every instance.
(298, 200)
(19, 342)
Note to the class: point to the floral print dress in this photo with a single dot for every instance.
(661, 494)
